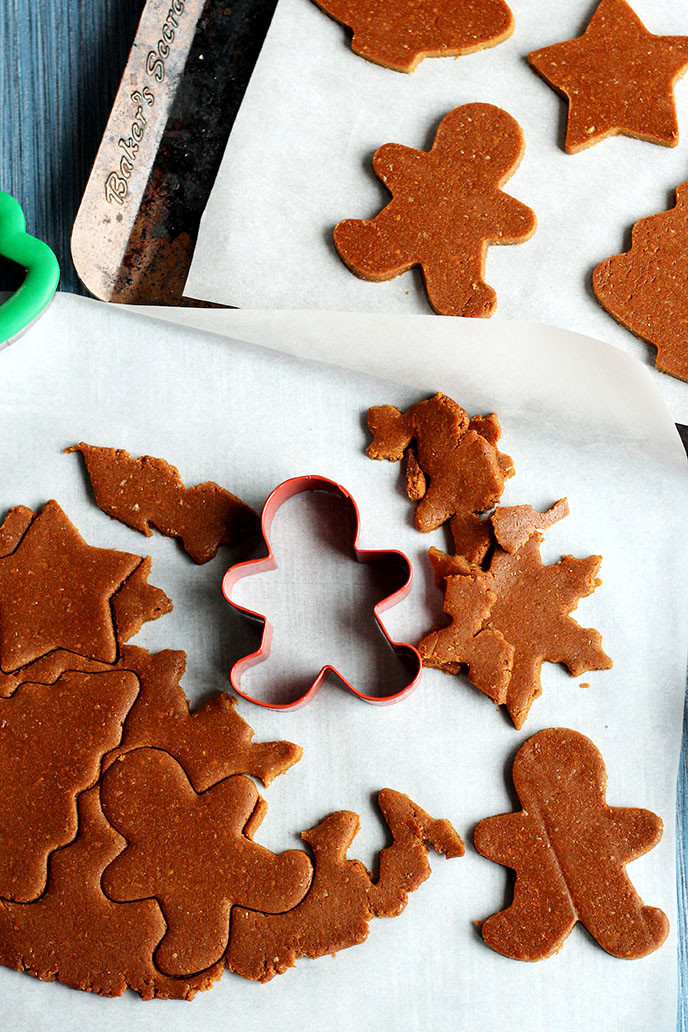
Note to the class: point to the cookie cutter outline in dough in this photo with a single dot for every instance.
(282, 493)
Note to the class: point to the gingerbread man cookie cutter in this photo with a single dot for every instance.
(281, 494)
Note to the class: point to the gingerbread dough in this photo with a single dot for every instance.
(457, 470)
(447, 207)
(645, 288)
(569, 850)
(148, 492)
(211, 743)
(133, 604)
(525, 605)
(55, 592)
(343, 898)
(52, 739)
(74, 933)
(618, 78)
(126, 825)
(197, 862)
(137, 602)
(514, 524)
(399, 36)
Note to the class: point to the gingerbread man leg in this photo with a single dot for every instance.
(455, 286)
(541, 916)
(616, 917)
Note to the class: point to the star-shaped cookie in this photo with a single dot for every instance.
(55, 593)
(617, 77)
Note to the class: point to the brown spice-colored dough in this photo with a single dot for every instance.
(463, 472)
(447, 207)
(52, 739)
(55, 592)
(198, 862)
(343, 898)
(74, 933)
(645, 288)
(532, 612)
(399, 35)
(528, 607)
(132, 605)
(444, 565)
(569, 849)
(513, 524)
(137, 602)
(212, 743)
(47, 670)
(618, 78)
(404, 865)
(148, 492)
(13, 527)
(470, 639)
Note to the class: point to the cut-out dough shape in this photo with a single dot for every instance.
(447, 207)
(400, 35)
(645, 288)
(569, 850)
(343, 897)
(55, 592)
(618, 78)
(133, 604)
(456, 469)
(148, 492)
(514, 524)
(52, 739)
(199, 861)
(528, 608)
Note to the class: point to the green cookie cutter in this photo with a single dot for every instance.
(42, 270)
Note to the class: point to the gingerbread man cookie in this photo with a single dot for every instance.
(197, 862)
(569, 849)
(399, 36)
(447, 207)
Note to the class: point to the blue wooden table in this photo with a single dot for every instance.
(60, 68)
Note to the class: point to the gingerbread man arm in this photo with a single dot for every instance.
(369, 247)
(398, 166)
(513, 221)
(501, 838)
(637, 830)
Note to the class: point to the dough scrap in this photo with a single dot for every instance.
(148, 492)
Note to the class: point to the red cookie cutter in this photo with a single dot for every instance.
(281, 494)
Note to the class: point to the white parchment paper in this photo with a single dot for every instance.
(580, 419)
(299, 160)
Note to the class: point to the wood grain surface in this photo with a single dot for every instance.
(60, 68)
(59, 71)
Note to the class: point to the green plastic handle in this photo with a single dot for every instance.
(42, 270)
